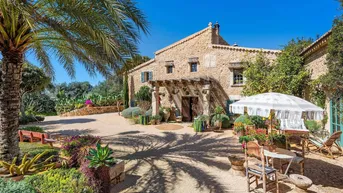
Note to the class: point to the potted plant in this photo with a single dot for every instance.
(89, 103)
(144, 106)
(239, 129)
(277, 140)
(218, 117)
(261, 138)
(155, 119)
(101, 160)
(166, 113)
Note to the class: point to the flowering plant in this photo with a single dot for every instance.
(88, 102)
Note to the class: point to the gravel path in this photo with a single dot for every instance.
(181, 160)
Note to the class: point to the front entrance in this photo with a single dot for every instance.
(189, 108)
(336, 119)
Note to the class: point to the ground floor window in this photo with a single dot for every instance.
(336, 119)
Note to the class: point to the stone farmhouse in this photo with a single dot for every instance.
(195, 74)
(315, 61)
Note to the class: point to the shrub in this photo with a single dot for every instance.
(11, 186)
(131, 112)
(60, 181)
(277, 139)
(246, 138)
(258, 122)
(245, 119)
(33, 128)
(32, 149)
(149, 113)
(74, 143)
(23, 120)
(312, 126)
(144, 94)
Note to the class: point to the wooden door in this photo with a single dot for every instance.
(186, 109)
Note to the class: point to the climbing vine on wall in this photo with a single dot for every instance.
(332, 81)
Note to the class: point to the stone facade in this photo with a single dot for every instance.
(216, 60)
(315, 59)
(315, 62)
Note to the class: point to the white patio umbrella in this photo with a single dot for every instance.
(284, 106)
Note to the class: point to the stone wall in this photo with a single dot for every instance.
(92, 110)
(315, 62)
(214, 61)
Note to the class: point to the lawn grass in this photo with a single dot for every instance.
(32, 149)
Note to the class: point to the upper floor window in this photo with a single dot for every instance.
(146, 76)
(238, 77)
(169, 66)
(194, 67)
(169, 69)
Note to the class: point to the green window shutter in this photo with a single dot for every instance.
(150, 75)
(142, 77)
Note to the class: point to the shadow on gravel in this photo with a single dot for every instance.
(169, 156)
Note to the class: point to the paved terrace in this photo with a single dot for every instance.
(181, 160)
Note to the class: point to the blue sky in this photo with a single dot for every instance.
(250, 23)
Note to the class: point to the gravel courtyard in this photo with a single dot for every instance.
(181, 160)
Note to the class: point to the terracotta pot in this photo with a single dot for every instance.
(153, 122)
(237, 162)
(89, 105)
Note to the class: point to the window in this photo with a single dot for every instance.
(169, 69)
(238, 77)
(146, 76)
(194, 67)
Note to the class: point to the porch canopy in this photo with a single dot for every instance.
(284, 106)
(199, 80)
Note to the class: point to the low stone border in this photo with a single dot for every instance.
(92, 110)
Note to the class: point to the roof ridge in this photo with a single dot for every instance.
(141, 65)
(321, 38)
(246, 49)
(183, 40)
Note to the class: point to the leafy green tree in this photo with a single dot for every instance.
(39, 103)
(111, 86)
(98, 34)
(256, 73)
(144, 94)
(33, 80)
(332, 81)
(289, 75)
(126, 92)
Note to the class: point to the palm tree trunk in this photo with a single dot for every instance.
(11, 70)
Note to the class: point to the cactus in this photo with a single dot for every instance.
(28, 166)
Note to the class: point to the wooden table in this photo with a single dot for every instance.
(280, 154)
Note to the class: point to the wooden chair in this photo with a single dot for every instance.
(327, 144)
(294, 142)
(259, 171)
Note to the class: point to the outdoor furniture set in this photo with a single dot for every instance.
(290, 110)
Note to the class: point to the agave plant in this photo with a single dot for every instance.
(101, 156)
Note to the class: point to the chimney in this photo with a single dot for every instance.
(216, 33)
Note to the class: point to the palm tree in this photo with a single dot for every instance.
(97, 33)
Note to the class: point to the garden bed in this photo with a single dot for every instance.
(92, 110)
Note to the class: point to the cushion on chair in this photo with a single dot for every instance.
(257, 169)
